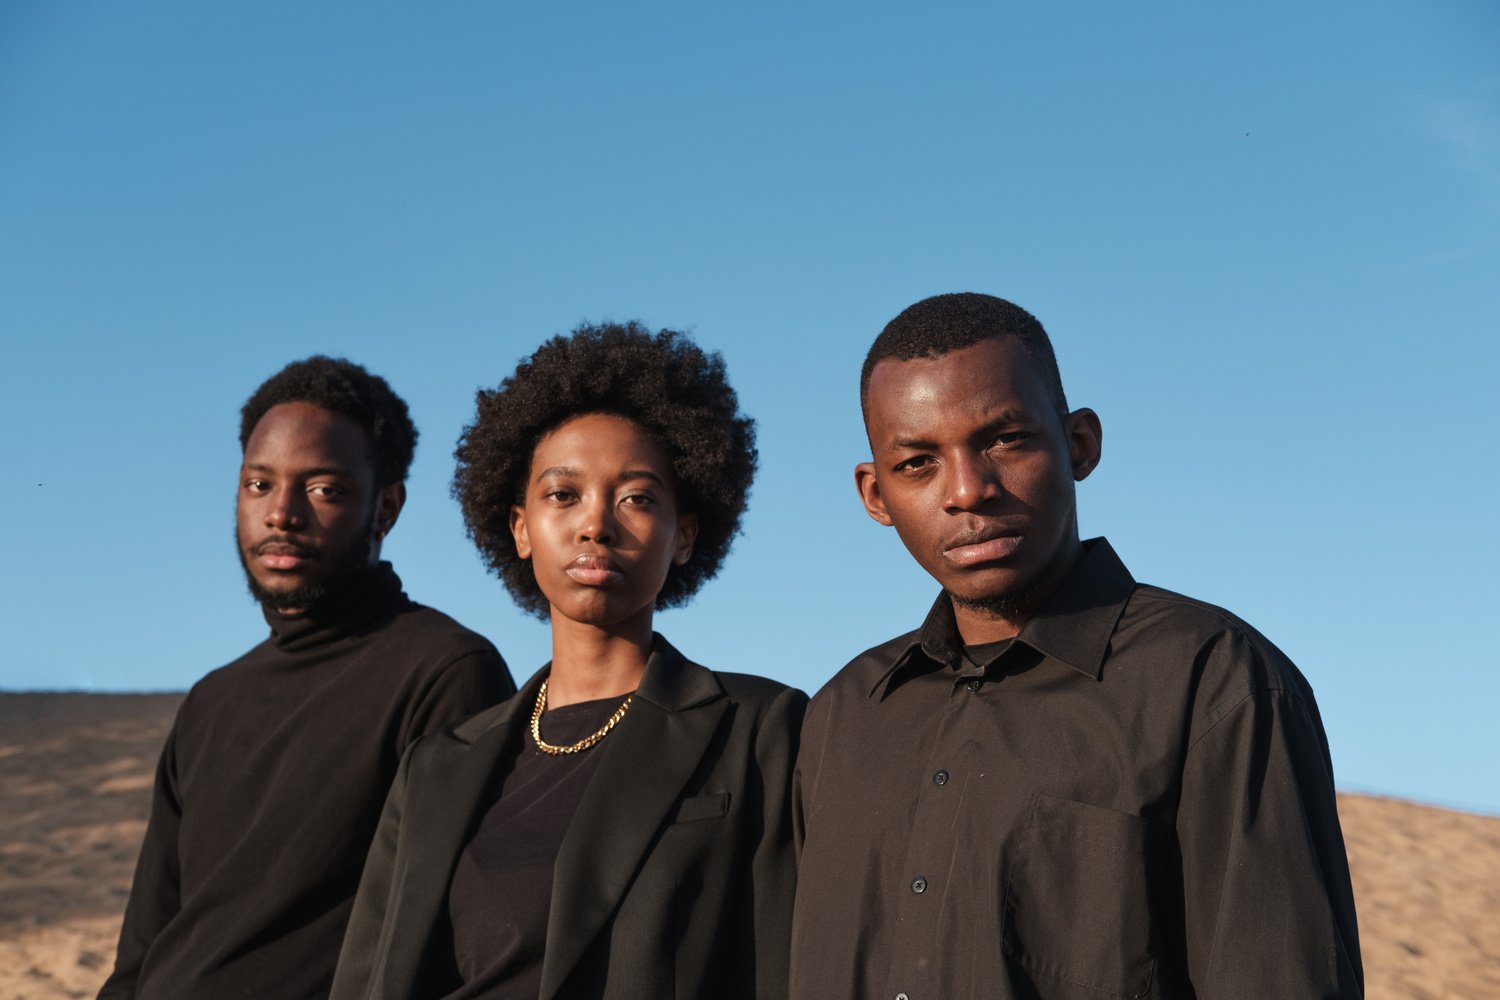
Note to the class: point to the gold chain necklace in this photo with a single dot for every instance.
(581, 745)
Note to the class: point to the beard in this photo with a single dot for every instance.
(1008, 605)
(344, 568)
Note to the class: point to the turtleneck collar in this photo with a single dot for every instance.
(370, 597)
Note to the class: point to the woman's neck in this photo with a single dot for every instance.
(590, 662)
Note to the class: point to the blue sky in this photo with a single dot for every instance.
(1265, 242)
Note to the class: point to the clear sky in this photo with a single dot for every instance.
(1266, 242)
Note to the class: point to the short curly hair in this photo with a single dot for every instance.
(341, 386)
(945, 323)
(661, 381)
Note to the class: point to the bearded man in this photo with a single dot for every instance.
(272, 780)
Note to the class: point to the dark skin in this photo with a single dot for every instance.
(308, 510)
(975, 469)
(601, 526)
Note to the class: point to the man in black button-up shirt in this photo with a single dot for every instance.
(1064, 784)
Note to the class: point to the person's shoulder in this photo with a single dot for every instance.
(753, 689)
(429, 624)
(224, 679)
(858, 677)
(1234, 657)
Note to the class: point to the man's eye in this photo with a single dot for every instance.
(257, 485)
(558, 495)
(1010, 439)
(914, 464)
(324, 490)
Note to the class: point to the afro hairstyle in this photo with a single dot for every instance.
(663, 382)
(946, 323)
(341, 386)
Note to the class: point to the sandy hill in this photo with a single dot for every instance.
(75, 779)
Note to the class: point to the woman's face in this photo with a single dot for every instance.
(600, 522)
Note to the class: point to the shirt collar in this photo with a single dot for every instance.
(1073, 627)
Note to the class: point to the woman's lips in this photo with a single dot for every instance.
(594, 571)
(989, 550)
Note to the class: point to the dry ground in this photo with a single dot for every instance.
(75, 778)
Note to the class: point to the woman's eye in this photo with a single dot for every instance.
(559, 496)
(638, 499)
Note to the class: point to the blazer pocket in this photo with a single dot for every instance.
(1077, 906)
(710, 806)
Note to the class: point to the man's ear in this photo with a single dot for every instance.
(388, 508)
(687, 534)
(869, 493)
(1085, 441)
(518, 531)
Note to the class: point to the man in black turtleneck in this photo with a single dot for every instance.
(272, 780)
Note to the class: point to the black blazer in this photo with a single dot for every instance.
(676, 875)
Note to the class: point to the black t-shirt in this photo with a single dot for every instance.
(501, 892)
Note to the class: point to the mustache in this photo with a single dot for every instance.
(285, 546)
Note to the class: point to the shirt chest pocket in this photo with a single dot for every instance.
(1077, 904)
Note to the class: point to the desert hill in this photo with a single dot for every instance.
(75, 781)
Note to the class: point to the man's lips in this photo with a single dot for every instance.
(982, 547)
(280, 555)
(594, 570)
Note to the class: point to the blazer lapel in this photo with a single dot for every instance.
(645, 764)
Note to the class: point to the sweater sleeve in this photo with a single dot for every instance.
(471, 683)
(155, 893)
(1267, 903)
(763, 949)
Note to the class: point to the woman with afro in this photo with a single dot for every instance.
(621, 828)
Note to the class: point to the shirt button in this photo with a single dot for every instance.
(919, 884)
(973, 685)
(902, 996)
(941, 778)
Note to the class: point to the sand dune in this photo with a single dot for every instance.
(75, 779)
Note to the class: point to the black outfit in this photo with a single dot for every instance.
(501, 891)
(1133, 799)
(270, 787)
(675, 876)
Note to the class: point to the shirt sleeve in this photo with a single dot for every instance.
(471, 683)
(1268, 909)
(763, 947)
(155, 893)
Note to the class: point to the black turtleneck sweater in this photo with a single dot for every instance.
(270, 787)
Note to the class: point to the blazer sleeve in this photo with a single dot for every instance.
(1267, 900)
(365, 939)
(763, 948)
(155, 893)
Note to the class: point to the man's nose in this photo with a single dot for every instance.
(287, 510)
(972, 482)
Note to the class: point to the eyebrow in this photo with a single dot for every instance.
(628, 474)
(319, 470)
(1004, 417)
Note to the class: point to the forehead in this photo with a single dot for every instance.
(935, 397)
(302, 435)
(602, 442)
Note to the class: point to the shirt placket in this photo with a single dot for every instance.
(934, 862)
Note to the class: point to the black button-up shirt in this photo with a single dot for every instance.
(1133, 799)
